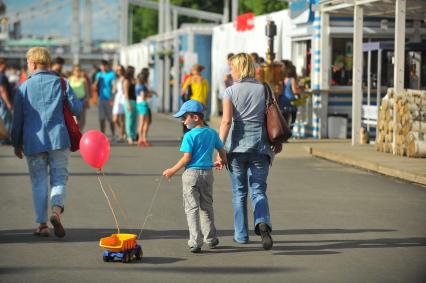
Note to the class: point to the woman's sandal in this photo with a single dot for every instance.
(57, 226)
(42, 231)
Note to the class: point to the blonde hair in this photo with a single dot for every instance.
(243, 65)
(39, 55)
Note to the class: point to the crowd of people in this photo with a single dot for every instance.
(39, 133)
(122, 98)
(122, 101)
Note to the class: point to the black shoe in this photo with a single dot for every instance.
(213, 243)
(266, 236)
(195, 250)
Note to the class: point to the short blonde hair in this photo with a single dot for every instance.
(243, 65)
(39, 55)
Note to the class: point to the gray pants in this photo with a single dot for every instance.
(104, 110)
(198, 204)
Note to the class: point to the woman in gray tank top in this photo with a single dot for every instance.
(243, 131)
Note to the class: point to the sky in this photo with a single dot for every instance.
(55, 18)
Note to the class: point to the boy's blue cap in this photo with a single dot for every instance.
(190, 106)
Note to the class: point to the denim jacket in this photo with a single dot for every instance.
(38, 118)
(248, 136)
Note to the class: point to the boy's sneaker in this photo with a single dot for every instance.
(195, 249)
(213, 243)
(266, 236)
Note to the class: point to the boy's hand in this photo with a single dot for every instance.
(220, 163)
(168, 173)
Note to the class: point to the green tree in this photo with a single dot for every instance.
(261, 7)
(145, 21)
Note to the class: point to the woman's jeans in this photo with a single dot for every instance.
(131, 119)
(249, 172)
(40, 165)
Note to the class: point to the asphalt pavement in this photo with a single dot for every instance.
(331, 223)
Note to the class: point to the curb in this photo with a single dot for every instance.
(367, 165)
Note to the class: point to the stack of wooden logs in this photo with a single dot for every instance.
(402, 123)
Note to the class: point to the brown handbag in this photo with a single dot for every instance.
(276, 126)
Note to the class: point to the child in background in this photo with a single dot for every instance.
(197, 179)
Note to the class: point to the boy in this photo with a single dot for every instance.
(197, 179)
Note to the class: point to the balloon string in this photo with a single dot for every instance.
(150, 208)
(122, 210)
(109, 203)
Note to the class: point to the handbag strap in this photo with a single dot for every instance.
(269, 98)
(63, 87)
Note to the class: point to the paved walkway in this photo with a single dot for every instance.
(331, 223)
(366, 157)
(363, 156)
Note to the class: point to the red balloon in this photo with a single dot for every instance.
(94, 148)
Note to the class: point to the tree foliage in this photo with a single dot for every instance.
(260, 7)
(145, 21)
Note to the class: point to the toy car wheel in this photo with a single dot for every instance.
(126, 257)
(105, 258)
(139, 254)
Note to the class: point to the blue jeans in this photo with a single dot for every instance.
(56, 161)
(249, 172)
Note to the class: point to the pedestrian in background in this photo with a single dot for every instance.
(81, 88)
(94, 86)
(103, 81)
(226, 80)
(197, 179)
(243, 131)
(199, 85)
(290, 92)
(118, 107)
(6, 105)
(39, 132)
(130, 110)
(57, 65)
(142, 96)
(22, 76)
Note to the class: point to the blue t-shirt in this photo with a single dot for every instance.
(201, 142)
(105, 84)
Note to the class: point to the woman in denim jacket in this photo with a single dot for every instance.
(243, 131)
(39, 132)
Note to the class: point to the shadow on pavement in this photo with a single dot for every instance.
(310, 248)
(132, 267)
(303, 247)
(161, 260)
(89, 235)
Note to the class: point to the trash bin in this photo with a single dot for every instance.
(337, 126)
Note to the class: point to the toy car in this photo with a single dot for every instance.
(121, 247)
